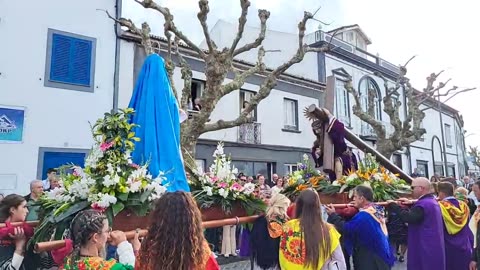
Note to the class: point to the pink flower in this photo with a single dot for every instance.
(136, 166)
(213, 179)
(98, 208)
(75, 173)
(222, 185)
(236, 187)
(105, 146)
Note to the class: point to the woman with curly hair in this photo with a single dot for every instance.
(266, 232)
(175, 238)
(89, 232)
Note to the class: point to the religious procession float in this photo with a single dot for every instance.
(122, 175)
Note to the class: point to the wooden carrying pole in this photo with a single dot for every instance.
(57, 244)
(52, 245)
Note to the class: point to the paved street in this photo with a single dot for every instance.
(245, 265)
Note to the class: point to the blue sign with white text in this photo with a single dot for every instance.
(11, 124)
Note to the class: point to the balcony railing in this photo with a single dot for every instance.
(322, 36)
(250, 133)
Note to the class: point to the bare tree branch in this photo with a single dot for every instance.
(263, 15)
(240, 79)
(170, 26)
(144, 32)
(475, 153)
(461, 91)
(186, 72)
(202, 17)
(245, 4)
(270, 81)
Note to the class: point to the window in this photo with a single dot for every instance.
(397, 160)
(195, 95)
(201, 164)
(448, 135)
(422, 168)
(70, 62)
(342, 102)
(56, 157)
(290, 119)
(368, 86)
(438, 169)
(252, 168)
(245, 97)
(290, 168)
(451, 171)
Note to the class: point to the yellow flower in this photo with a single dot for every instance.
(341, 180)
(291, 181)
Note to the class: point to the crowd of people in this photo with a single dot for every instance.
(433, 233)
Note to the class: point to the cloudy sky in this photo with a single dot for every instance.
(442, 34)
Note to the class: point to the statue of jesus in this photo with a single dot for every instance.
(329, 132)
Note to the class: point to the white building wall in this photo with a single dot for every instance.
(223, 34)
(54, 117)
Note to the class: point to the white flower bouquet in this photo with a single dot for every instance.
(110, 181)
(220, 186)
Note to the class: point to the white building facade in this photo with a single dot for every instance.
(441, 150)
(56, 76)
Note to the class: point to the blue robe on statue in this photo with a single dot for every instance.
(157, 114)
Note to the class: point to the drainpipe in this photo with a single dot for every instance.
(116, 74)
(405, 114)
(443, 139)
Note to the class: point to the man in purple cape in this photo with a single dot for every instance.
(458, 236)
(426, 246)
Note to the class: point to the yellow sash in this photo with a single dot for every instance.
(454, 218)
(291, 246)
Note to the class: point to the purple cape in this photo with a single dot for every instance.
(426, 246)
(458, 247)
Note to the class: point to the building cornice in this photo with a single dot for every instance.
(161, 44)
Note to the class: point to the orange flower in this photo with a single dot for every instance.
(301, 187)
(314, 180)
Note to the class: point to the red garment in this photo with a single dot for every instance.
(60, 254)
(347, 212)
(291, 211)
(9, 229)
(212, 263)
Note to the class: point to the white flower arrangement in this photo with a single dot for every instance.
(220, 185)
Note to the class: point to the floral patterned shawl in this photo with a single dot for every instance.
(95, 263)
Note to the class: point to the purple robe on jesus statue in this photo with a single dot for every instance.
(336, 132)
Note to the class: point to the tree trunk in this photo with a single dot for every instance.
(385, 147)
(188, 141)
